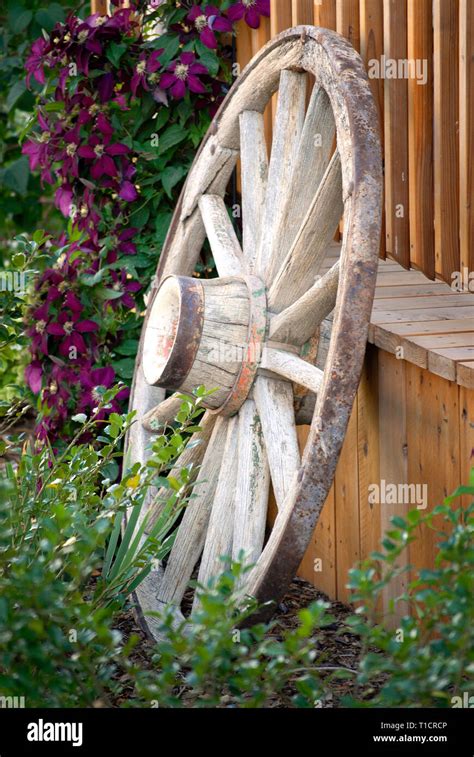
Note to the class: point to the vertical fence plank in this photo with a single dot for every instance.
(420, 146)
(393, 456)
(368, 452)
(446, 181)
(346, 491)
(371, 49)
(466, 429)
(100, 6)
(396, 136)
(433, 449)
(280, 19)
(259, 38)
(301, 12)
(466, 132)
(325, 13)
(319, 563)
(347, 18)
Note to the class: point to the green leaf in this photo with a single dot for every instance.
(173, 135)
(170, 46)
(19, 20)
(208, 58)
(18, 89)
(79, 418)
(170, 177)
(49, 17)
(115, 52)
(128, 347)
(140, 217)
(15, 176)
(124, 368)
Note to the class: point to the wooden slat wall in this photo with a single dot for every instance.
(428, 129)
(408, 426)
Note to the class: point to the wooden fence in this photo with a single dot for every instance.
(427, 119)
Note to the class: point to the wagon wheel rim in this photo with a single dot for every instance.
(285, 237)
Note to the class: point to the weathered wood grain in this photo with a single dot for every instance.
(297, 323)
(289, 366)
(286, 137)
(254, 167)
(253, 483)
(191, 535)
(221, 522)
(274, 401)
(225, 246)
(302, 262)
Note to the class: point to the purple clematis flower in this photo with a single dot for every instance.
(125, 286)
(38, 331)
(250, 10)
(206, 21)
(147, 64)
(35, 61)
(90, 380)
(71, 329)
(184, 73)
(102, 153)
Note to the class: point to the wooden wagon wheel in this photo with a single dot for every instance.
(243, 331)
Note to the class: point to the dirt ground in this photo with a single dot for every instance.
(341, 647)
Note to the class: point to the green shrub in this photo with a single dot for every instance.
(211, 661)
(57, 605)
(429, 659)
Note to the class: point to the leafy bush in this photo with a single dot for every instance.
(57, 602)
(209, 661)
(429, 658)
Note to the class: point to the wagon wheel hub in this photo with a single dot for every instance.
(215, 327)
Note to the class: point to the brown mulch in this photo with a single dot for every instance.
(339, 647)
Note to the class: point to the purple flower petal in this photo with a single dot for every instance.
(105, 87)
(167, 80)
(86, 326)
(178, 89)
(118, 149)
(198, 68)
(55, 329)
(236, 12)
(128, 191)
(86, 152)
(252, 17)
(33, 375)
(208, 38)
(195, 85)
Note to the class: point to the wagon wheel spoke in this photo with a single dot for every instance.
(163, 413)
(191, 458)
(298, 322)
(254, 175)
(192, 530)
(253, 485)
(223, 240)
(286, 138)
(304, 259)
(274, 400)
(314, 152)
(287, 365)
(221, 522)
